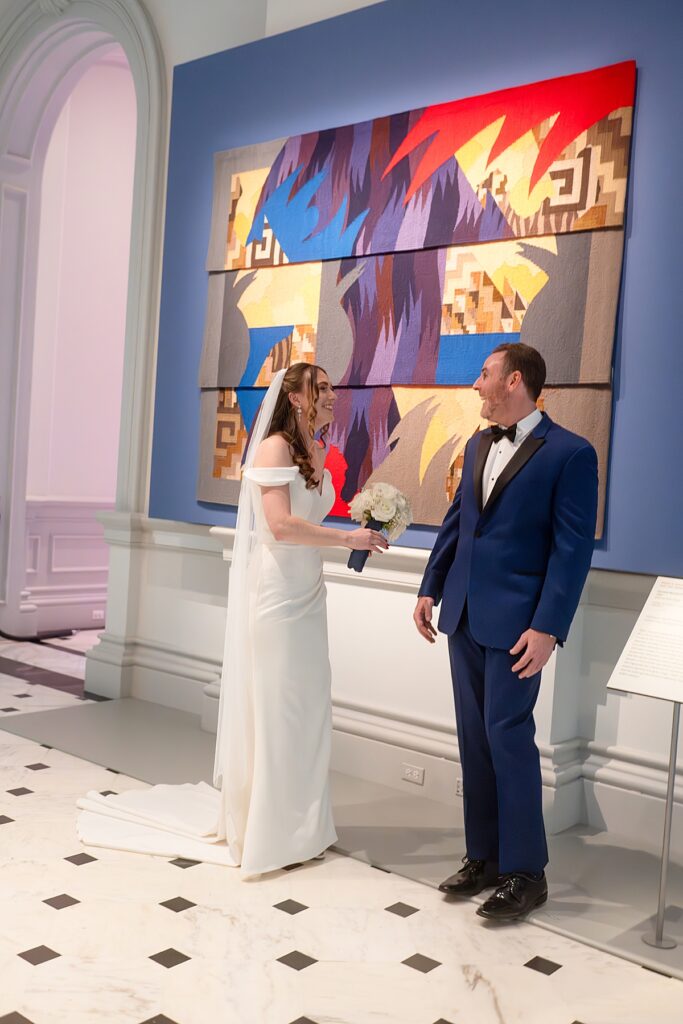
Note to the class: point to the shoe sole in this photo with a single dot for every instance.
(468, 895)
(513, 917)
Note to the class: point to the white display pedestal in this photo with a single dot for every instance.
(651, 665)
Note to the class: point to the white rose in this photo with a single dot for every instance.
(384, 510)
(384, 492)
(360, 505)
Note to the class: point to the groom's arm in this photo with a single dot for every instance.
(443, 552)
(574, 516)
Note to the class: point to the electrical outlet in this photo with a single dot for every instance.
(458, 787)
(98, 615)
(411, 773)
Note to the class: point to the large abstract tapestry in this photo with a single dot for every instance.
(397, 253)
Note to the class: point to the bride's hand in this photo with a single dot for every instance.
(363, 539)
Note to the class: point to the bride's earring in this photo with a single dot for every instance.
(298, 412)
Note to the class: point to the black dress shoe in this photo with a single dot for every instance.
(472, 877)
(518, 894)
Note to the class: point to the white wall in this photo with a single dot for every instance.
(284, 15)
(189, 29)
(82, 287)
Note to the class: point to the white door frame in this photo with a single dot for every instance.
(45, 47)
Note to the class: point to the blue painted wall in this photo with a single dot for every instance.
(403, 54)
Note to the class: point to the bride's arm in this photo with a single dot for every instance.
(273, 452)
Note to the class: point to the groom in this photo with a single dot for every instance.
(508, 566)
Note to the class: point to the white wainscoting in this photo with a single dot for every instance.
(67, 563)
(603, 755)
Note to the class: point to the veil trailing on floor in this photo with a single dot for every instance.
(232, 770)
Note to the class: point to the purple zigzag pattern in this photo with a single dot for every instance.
(444, 211)
(394, 309)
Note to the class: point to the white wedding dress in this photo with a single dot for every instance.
(273, 807)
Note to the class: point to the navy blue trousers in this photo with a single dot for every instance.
(501, 771)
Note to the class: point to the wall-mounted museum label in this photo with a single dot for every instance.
(652, 660)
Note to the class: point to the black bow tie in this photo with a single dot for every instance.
(500, 432)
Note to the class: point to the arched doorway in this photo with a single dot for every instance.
(48, 46)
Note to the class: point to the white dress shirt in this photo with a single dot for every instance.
(500, 454)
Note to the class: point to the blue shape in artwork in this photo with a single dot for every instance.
(249, 401)
(294, 223)
(261, 341)
(461, 356)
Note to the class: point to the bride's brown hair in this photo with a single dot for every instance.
(299, 377)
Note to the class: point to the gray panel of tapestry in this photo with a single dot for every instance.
(226, 164)
(225, 351)
(210, 488)
(572, 319)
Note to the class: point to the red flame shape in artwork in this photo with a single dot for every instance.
(578, 100)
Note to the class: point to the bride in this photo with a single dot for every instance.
(270, 805)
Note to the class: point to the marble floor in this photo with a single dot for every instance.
(91, 936)
(99, 935)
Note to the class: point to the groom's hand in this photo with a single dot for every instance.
(539, 647)
(422, 617)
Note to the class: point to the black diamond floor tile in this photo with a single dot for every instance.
(80, 858)
(114, 771)
(38, 955)
(169, 958)
(421, 963)
(296, 960)
(184, 862)
(538, 963)
(160, 1018)
(61, 901)
(290, 907)
(108, 792)
(402, 909)
(177, 904)
(303, 1020)
(21, 696)
(47, 746)
(9, 709)
(291, 867)
(4, 820)
(21, 791)
(442, 1020)
(14, 1018)
(38, 766)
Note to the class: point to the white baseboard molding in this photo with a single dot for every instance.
(371, 745)
(149, 670)
(631, 813)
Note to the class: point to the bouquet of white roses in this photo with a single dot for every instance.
(379, 507)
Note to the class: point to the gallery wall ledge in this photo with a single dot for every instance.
(396, 569)
(132, 529)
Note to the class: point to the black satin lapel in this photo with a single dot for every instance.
(527, 448)
(485, 442)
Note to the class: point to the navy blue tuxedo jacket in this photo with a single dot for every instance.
(520, 562)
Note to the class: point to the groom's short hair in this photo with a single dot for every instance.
(528, 361)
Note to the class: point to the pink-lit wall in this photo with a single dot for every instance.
(82, 284)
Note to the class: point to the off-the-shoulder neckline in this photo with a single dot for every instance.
(319, 490)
